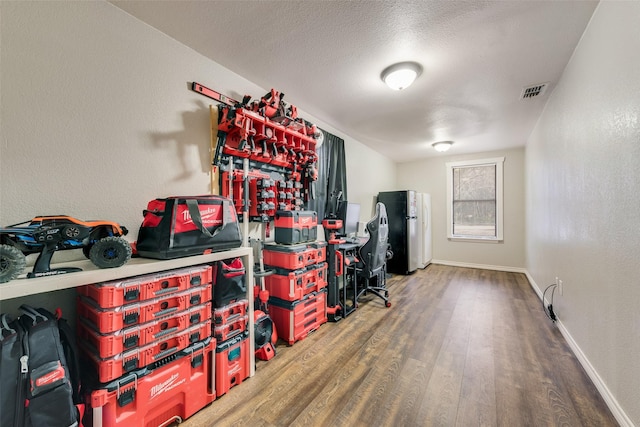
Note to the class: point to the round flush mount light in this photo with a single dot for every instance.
(401, 75)
(442, 145)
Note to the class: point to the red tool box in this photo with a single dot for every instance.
(296, 256)
(294, 285)
(232, 363)
(293, 227)
(295, 320)
(115, 319)
(232, 328)
(229, 312)
(119, 292)
(109, 345)
(168, 391)
(111, 368)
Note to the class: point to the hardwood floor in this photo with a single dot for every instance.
(459, 347)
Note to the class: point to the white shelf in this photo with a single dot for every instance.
(22, 287)
(91, 274)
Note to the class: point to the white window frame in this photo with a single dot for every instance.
(498, 162)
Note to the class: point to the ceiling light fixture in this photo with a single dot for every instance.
(401, 75)
(442, 145)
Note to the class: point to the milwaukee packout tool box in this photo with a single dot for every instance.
(168, 391)
(107, 320)
(113, 367)
(292, 285)
(109, 345)
(293, 227)
(294, 257)
(295, 320)
(229, 312)
(233, 327)
(141, 288)
(232, 363)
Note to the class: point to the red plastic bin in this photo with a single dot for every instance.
(109, 345)
(159, 394)
(294, 285)
(232, 363)
(230, 312)
(296, 320)
(232, 328)
(111, 368)
(296, 256)
(141, 288)
(114, 319)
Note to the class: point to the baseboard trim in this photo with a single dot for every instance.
(604, 391)
(480, 266)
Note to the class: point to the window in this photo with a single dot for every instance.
(474, 199)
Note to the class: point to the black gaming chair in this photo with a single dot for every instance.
(372, 266)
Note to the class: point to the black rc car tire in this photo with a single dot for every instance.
(86, 251)
(110, 252)
(12, 262)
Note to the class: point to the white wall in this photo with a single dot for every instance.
(368, 173)
(429, 176)
(583, 208)
(97, 116)
(98, 119)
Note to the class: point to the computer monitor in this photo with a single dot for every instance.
(351, 219)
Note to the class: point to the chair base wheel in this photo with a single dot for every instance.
(387, 304)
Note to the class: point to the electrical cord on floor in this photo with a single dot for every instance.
(548, 310)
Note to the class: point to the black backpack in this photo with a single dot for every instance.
(39, 374)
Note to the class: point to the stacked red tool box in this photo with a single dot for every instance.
(230, 323)
(293, 227)
(297, 295)
(143, 335)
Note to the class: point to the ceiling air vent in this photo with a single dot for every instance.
(533, 91)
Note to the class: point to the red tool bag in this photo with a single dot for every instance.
(229, 285)
(181, 226)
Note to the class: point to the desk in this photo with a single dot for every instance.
(342, 286)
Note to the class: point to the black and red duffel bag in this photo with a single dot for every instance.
(191, 225)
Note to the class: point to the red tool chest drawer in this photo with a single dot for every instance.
(230, 312)
(111, 368)
(294, 285)
(109, 345)
(230, 329)
(295, 320)
(296, 256)
(141, 288)
(158, 394)
(115, 319)
(293, 227)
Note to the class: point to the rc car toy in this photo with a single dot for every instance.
(101, 242)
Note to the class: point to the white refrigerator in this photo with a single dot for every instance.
(423, 254)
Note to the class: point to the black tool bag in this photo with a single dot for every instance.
(39, 386)
(229, 285)
(175, 227)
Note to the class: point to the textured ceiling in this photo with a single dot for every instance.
(327, 56)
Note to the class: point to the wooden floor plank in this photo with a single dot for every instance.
(458, 346)
(478, 394)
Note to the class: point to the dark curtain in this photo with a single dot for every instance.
(332, 174)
